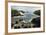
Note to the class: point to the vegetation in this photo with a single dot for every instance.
(16, 12)
(37, 12)
(13, 12)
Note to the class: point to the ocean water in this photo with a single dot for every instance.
(26, 17)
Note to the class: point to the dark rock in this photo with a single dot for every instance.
(15, 27)
(12, 25)
(37, 12)
(16, 22)
(36, 22)
(29, 26)
(25, 27)
(18, 26)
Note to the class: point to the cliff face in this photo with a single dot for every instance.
(37, 12)
(36, 21)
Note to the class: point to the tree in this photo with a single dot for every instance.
(13, 12)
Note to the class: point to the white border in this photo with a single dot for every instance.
(23, 30)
